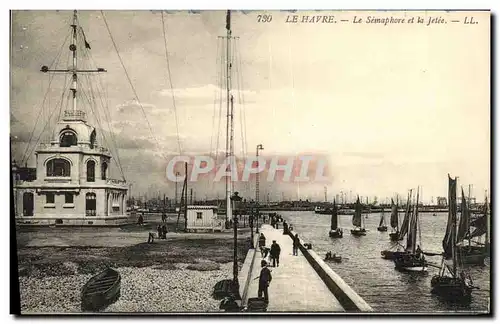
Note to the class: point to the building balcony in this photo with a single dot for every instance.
(77, 148)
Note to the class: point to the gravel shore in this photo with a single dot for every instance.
(176, 274)
(147, 289)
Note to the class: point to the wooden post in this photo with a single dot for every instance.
(185, 198)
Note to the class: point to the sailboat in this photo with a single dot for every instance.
(448, 284)
(394, 236)
(468, 253)
(357, 221)
(398, 235)
(414, 260)
(335, 231)
(382, 227)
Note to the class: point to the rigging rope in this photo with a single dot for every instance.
(170, 81)
(222, 77)
(241, 99)
(214, 132)
(131, 84)
(60, 107)
(51, 78)
(93, 101)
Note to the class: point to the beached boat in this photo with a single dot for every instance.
(101, 290)
(357, 221)
(451, 286)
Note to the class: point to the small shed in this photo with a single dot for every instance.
(203, 218)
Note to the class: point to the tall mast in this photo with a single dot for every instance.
(74, 68)
(73, 49)
(229, 113)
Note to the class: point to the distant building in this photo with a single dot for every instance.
(442, 201)
(204, 218)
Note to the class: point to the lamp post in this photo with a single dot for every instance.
(235, 198)
(250, 223)
(259, 147)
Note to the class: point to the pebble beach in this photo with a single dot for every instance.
(174, 275)
(149, 290)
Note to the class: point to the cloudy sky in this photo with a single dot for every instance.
(392, 107)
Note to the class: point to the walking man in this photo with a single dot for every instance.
(275, 253)
(264, 280)
(262, 243)
(296, 243)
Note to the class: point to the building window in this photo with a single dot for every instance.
(92, 139)
(68, 138)
(199, 215)
(104, 168)
(58, 168)
(68, 198)
(90, 171)
(49, 198)
(90, 204)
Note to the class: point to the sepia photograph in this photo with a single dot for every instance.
(250, 161)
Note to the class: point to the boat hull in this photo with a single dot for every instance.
(335, 233)
(101, 290)
(470, 255)
(451, 289)
(410, 263)
(358, 232)
(337, 259)
(394, 236)
(391, 255)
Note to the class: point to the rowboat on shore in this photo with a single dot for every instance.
(101, 290)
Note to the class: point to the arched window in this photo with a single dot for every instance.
(90, 204)
(90, 171)
(58, 168)
(68, 138)
(104, 168)
(92, 139)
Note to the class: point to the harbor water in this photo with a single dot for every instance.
(375, 279)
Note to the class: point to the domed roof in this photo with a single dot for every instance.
(75, 123)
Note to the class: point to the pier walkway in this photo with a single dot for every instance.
(295, 285)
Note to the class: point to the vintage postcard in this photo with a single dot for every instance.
(250, 161)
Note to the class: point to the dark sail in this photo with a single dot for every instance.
(394, 215)
(411, 239)
(463, 225)
(334, 223)
(452, 210)
(382, 219)
(356, 218)
(406, 219)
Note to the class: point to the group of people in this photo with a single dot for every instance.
(274, 256)
(275, 220)
(162, 231)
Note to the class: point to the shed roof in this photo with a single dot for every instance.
(201, 207)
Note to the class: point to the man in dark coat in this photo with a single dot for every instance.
(275, 253)
(296, 243)
(264, 280)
